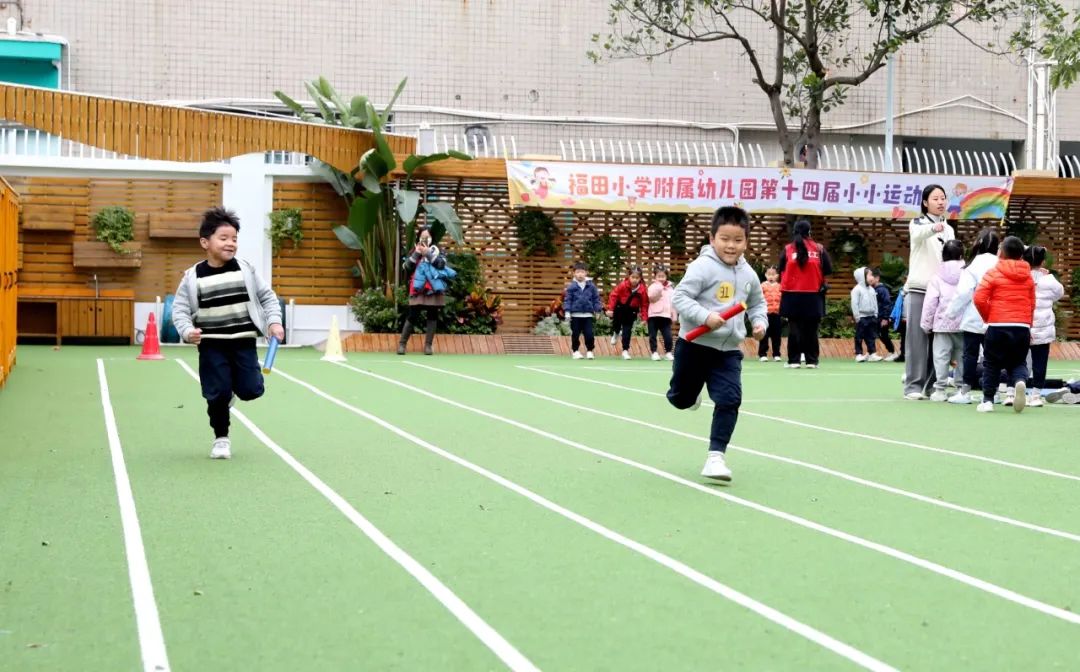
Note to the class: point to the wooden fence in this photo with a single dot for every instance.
(169, 133)
(9, 276)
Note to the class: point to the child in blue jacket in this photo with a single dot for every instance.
(581, 302)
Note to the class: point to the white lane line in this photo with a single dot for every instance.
(772, 456)
(498, 645)
(151, 639)
(771, 614)
(806, 425)
(980, 584)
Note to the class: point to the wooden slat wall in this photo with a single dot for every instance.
(318, 271)
(180, 134)
(9, 276)
(47, 255)
(527, 283)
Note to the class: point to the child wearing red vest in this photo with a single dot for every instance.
(771, 289)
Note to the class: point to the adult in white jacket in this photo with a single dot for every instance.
(929, 234)
(984, 257)
(1043, 330)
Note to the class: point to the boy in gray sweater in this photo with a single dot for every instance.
(717, 279)
(222, 306)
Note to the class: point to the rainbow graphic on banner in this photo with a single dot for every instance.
(985, 203)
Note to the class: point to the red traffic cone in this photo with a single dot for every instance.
(151, 349)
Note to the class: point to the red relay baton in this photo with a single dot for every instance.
(727, 315)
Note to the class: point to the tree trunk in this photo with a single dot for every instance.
(787, 143)
(812, 133)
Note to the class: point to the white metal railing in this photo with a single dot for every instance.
(500, 146)
(830, 156)
(32, 142)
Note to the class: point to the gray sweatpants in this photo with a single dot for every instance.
(918, 362)
(948, 347)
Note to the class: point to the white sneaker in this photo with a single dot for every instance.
(589, 355)
(716, 467)
(985, 407)
(1036, 400)
(892, 357)
(655, 357)
(873, 358)
(670, 357)
(1058, 395)
(1003, 388)
(939, 395)
(1010, 399)
(576, 355)
(860, 358)
(626, 354)
(777, 359)
(950, 382)
(1020, 397)
(915, 396)
(960, 398)
(811, 366)
(222, 449)
(763, 359)
(614, 339)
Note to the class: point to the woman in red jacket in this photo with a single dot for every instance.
(803, 267)
(628, 301)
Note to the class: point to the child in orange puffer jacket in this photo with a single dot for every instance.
(1005, 300)
(771, 289)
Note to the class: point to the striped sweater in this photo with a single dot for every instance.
(223, 302)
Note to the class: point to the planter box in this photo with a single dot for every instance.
(92, 254)
(49, 218)
(173, 225)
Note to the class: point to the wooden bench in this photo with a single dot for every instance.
(76, 312)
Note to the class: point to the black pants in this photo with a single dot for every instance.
(624, 318)
(883, 335)
(866, 332)
(1004, 349)
(772, 335)
(579, 326)
(698, 366)
(803, 340)
(1040, 357)
(663, 325)
(972, 342)
(903, 338)
(416, 314)
(227, 367)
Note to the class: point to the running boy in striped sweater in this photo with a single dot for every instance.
(222, 306)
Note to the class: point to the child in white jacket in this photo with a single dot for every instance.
(984, 257)
(1043, 332)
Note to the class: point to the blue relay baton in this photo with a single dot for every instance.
(271, 353)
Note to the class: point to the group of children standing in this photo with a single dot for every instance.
(629, 300)
(1000, 304)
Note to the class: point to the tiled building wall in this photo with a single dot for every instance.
(515, 56)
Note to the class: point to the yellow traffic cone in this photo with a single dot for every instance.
(333, 344)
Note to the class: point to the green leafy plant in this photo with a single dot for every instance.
(285, 225)
(1024, 230)
(114, 225)
(893, 271)
(377, 312)
(604, 257)
(1074, 284)
(382, 208)
(837, 321)
(670, 228)
(847, 246)
(536, 231)
(552, 325)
